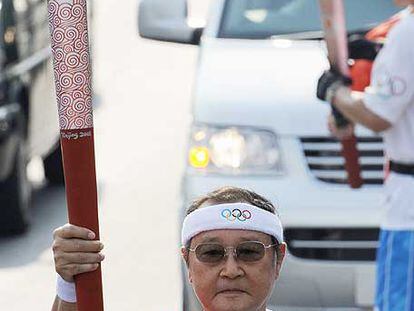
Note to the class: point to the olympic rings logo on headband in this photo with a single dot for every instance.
(236, 214)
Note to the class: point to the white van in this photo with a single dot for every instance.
(257, 124)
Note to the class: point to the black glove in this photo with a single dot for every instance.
(340, 119)
(328, 83)
(330, 78)
(361, 48)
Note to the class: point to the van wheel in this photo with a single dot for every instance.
(15, 195)
(53, 167)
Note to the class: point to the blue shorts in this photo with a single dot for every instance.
(395, 271)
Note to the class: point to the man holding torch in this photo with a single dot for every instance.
(232, 244)
(387, 106)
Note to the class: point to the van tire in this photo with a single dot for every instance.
(15, 196)
(54, 168)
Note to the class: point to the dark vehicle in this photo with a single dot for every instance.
(28, 112)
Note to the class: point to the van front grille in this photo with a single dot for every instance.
(326, 163)
(356, 244)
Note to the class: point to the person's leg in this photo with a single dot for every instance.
(395, 271)
(382, 252)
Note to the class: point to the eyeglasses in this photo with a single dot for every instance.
(249, 251)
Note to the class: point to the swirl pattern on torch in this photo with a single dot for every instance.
(71, 62)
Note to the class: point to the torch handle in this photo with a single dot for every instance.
(352, 166)
(81, 195)
(340, 119)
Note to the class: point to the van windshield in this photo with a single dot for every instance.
(261, 19)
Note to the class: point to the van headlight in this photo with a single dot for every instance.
(234, 150)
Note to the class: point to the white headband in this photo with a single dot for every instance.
(240, 216)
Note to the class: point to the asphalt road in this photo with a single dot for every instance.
(143, 93)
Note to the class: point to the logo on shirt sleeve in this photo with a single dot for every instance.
(387, 85)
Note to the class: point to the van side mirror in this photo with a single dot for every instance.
(166, 20)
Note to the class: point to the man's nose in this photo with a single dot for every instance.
(231, 268)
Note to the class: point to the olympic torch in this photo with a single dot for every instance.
(71, 62)
(334, 26)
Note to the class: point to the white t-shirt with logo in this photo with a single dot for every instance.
(391, 96)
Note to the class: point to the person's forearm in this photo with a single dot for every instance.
(60, 305)
(352, 106)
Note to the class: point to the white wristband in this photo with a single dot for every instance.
(66, 291)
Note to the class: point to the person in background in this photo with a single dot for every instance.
(387, 106)
(232, 245)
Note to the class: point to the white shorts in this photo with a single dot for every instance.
(398, 202)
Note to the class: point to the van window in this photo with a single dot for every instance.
(261, 19)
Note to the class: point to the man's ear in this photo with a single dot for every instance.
(280, 256)
(185, 256)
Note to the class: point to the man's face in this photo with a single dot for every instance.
(233, 285)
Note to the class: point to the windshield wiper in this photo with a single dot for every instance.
(305, 35)
(315, 35)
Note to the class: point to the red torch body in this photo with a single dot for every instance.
(72, 68)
